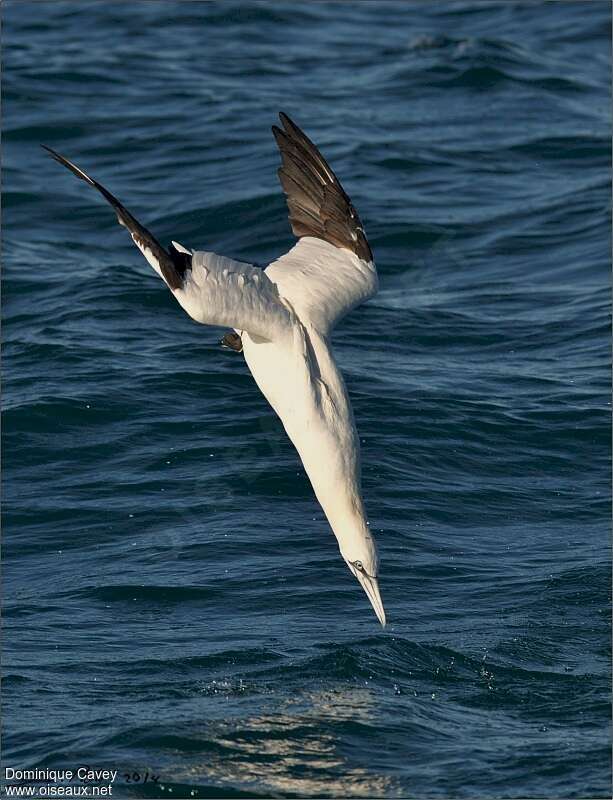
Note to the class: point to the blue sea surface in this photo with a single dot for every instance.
(174, 600)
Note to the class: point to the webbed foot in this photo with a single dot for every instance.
(232, 341)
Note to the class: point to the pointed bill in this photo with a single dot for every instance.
(371, 587)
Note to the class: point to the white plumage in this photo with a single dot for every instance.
(220, 291)
(284, 316)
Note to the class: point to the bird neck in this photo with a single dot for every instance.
(347, 519)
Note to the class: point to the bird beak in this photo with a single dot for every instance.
(371, 587)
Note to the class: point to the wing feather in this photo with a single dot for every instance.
(334, 218)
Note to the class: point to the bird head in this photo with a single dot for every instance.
(360, 555)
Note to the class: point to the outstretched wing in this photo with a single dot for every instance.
(214, 290)
(318, 205)
(331, 270)
(160, 259)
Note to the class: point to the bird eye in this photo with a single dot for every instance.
(358, 565)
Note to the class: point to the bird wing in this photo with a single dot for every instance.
(214, 290)
(331, 270)
(220, 291)
(322, 282)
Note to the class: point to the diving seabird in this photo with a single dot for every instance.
(282, 319)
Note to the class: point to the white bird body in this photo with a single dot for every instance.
(299, 377)
(302, 383)
(284, 317)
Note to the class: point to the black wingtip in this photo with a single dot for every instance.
(287, 123)
(317, 202)
(59, 158)
(280, 136)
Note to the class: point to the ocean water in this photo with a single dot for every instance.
(174, 602)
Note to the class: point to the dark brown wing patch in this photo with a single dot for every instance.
(317, 203)
(173, 265)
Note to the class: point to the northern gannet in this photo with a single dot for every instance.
(283, 317)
